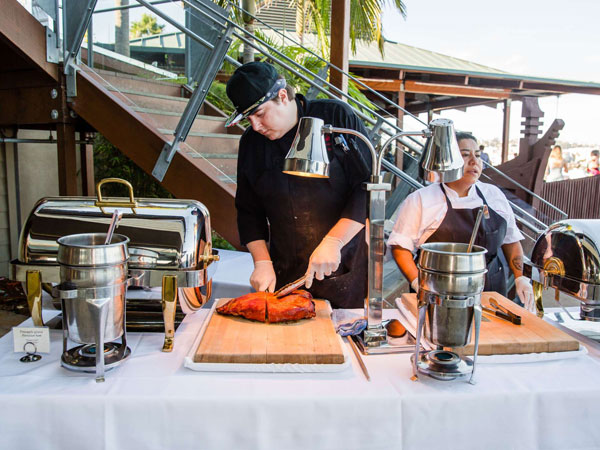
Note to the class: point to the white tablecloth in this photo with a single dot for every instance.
(152, 402)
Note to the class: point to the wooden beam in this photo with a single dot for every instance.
(399, 158)
(28, 106)
(340, 37)
(383, 85)
(452, 103)
(462, 91)
(86, 156)
(559, 88)
(506, 130)
(67, 159)
(27, 37)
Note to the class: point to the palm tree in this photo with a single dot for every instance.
(146, 26)
(365, 17)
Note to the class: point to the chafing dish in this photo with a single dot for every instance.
(566, 257)
(170, 247)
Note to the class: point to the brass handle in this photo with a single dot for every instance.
(208, 256)
(104, 203)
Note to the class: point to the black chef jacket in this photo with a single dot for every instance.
(293, 214)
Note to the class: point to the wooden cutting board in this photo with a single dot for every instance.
(500, 337)
(229, 339)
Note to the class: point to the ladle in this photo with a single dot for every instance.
(483, 210)
(113, 224)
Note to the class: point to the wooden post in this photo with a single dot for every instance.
(67, 159)
(506, 130)
(340, 37)
(400, 123)
(86, 156)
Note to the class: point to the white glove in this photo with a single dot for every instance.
(525, 292)
(325, 259)
(415, 284)
(263, 277)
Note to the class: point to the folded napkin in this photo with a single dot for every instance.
(347, 323)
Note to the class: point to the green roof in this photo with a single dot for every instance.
(397, 56)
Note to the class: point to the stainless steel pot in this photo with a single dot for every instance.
(450, 284)
(93, 283)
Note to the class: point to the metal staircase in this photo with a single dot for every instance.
(151, 121)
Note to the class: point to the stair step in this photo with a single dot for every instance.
(228, 166)
(131, 82)
(232, 137)
(228, 180)
(149, 94)
(170, 120)
(214, 143)
(171, 113)
(212, 155)
(163, 103)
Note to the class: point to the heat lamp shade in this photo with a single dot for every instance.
(441, 160)
(308, 155)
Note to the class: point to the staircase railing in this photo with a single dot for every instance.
(76, 17)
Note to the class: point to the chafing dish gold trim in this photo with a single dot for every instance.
(169, 297)
(34, 296)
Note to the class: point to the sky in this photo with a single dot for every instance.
(546, 38)
(550, 38)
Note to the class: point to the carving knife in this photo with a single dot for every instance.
(291, 287)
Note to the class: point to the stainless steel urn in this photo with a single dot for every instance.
(98, 273)
(451, 280)
(92, 290)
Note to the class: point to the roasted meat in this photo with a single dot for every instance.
(251, 306)
(265, 307)
(291, 307)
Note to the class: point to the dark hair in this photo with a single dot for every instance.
(291, 92)
(595, 153)
(460, 135)
(559, 147)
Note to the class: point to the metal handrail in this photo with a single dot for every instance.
(267, 50)
(362, 115)
(499, 172)
(303, 77)
(348, 75)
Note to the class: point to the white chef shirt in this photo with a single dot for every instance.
(423, 211)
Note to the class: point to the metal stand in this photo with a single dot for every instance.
(445, 364)
(88, 358)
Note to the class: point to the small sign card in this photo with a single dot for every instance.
(31, 339)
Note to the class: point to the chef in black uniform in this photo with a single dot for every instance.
(446, 213)
(295, 225)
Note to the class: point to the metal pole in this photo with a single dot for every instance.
(90, 44)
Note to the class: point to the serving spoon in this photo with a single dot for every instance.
(483, 211)
(113, 224)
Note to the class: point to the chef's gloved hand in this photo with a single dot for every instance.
(415, 284)
(325, 259)
(263, 277)
(525, 292)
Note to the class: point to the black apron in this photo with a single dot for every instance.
(312, 207)
(457, 226)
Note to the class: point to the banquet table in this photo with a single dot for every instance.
(151, 401)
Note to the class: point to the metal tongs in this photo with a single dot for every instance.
(502, 312)
(291, 287)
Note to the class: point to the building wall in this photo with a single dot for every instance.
(28, 172)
